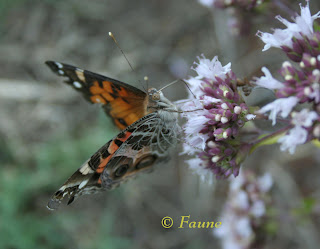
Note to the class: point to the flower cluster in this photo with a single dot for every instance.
(215, 118)
(301, 84)
(299, 37)
(216, 115)
(239, 13)
(245, 215)
(245, 4)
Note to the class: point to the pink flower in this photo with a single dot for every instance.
(245, 213)
(215, 118)
(211, 69)
(207, 3)
(265, 183)
(281, 106)
(296, 136)
(268, 81)
(196, 121)
(303, 25)
(304, 118)
(299, 133)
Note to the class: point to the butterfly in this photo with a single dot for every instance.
(149, 128)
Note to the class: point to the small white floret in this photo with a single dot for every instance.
(313, 61)
(288, 77)
(237, 109)
(215, 159)
(224, 120)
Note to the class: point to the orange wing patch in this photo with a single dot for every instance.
(112, 148)
(108, 92)
(101, 95)
(103, 164)
(123, 106)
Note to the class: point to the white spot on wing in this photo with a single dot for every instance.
(61, 72)
(63, 188)
(77, 84)
(82, 184)
(98, 100)
(85, 169)
(59, 65)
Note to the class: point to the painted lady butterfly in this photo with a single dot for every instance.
(148, 121)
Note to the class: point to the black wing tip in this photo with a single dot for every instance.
(71, 199)
(53, 204)
(51, 63)
(54, 66)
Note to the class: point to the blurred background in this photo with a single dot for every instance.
(47, 129)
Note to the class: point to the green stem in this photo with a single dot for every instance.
(270, 138)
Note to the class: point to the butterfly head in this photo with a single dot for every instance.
(158, 101)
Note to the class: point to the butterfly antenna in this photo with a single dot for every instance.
(124, 55)
(173, 82)
(146, 79)
(189, 88)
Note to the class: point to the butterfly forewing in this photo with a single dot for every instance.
(125, 104)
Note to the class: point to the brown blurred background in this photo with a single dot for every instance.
(47, 129)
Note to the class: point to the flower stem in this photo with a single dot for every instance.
(270, 138)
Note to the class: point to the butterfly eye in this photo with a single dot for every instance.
(121, 170)
(156, 96)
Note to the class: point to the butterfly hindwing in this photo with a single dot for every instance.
(136, 149)
(124, 103)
